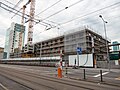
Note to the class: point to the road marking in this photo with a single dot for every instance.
(117, 78)
(3, 87)
(102, 74)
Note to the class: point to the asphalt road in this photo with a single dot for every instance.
(16, 77)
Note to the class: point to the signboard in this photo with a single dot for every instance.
(79, 50)
(114, 56)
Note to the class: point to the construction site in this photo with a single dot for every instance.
(89, 41)
(91, 44)
(59, 45)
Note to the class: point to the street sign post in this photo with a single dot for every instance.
(79, 51)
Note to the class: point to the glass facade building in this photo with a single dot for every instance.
(12, 39)
(115, 48)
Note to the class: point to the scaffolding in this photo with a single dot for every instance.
(73, 39)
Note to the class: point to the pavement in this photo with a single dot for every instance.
(111, 76)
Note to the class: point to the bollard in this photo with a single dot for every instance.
(59, 72)
(84, 74)
(101, 75)
(66, 70)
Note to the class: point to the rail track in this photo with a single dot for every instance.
(7, 77)
(17, 74)
(76, 84)
(26, 82)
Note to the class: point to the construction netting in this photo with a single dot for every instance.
(75, 38)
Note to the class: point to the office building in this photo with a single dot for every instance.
(12, 39)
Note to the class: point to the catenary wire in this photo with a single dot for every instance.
(90, 13)
(94, 23)
(86, 18)
(9, 2)
(21, 12)
(18, 3)
(91, 23)
(49, 7)
(63, 9)
(88, 23)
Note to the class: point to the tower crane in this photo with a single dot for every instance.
(31, 22)
(30, 25)
(22, 27)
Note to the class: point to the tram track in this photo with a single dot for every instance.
(55, 80)
(7, 77)
(78, 84)
(26, 82)
(78, 79)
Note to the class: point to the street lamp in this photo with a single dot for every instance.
(104, 22)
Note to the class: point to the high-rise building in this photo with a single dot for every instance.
(12, 39)
(115, 48)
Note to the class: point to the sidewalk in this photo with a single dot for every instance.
(112, 78)
(111, 70)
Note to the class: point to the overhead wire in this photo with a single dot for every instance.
(20, 8)
(90, 13)
(110, 25)
(111, 9)
(18, 11)
(49, 7)
(10, 9)
(46, 30)
(59, 11)
(90, 23)
(73, 4)
(104, 7)
(63, 9)
(39, 32)
(8, 2)
(18, 3)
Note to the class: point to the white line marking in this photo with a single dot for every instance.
(102, 74)
(3, 87)
(117, 78)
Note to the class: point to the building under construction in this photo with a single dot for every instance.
(89, 41)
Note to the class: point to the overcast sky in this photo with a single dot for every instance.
(79, 13)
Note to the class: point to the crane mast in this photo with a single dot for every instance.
(30, 25)
(22, 29)
(31, 22)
